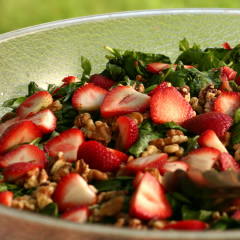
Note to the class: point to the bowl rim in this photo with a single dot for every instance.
(114, 15)
(104, 229)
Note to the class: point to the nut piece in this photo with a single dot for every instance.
(151, 149)
(138, 117)
(55, 106)
(25, 202)
(195, 105)
(236, 147)
(105, 196)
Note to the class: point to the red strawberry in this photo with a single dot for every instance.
(226, 46)
(236, 215)
(67, 142)
(73, 191)
(45, 120)
(24, 153)
(151, 161)
(98, 157)
(229, 163)
(88, 97)
(160, 86)
(101, 81)
(137, 179)
(6, 198)
(202, 158)
(67, 81)
(78, 214)
(17, 170)
(34, 104)
(210, 120)
(227, 102)
(173, 166)
(148, 200)
(5, 125)
(167, 105)
(210, 139)
(122, 156)
(123, 100)
(190, 225)
(19, 133)
(128, 131)
(158, 67)
(229, 72)
(225, 84)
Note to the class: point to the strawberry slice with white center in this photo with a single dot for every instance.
(229, 163)
(78, 214)
(5, 125)
(210, 120)
(45, 120)
(227, 102)
(24, 153)
(151, 161)
(189, 225)
(98, 157)
(123, 100)
(148, 200)
(6, 198)
(88, 97)
(67, 142)
(101, 81)
(128, 131)
(158, 67)
(167, 104)
(34, 104)
(17, 134)
(210, 139)
(73, 191)
(202, 158)
(18, 170)
(174, 166)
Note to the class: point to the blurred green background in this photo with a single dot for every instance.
(15, 14)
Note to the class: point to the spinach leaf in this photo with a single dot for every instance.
(237, 116)
(86, 66)
(235, 134)
(184, 45)
(14, 102)
(192, 144)
(226, 223)
(33, 88)
(170, 125)
(50, 210)
(189, 212)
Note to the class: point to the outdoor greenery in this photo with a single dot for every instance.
(15, 14)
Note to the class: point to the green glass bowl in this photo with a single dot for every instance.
(49, 52)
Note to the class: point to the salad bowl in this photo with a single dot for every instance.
(49, 52)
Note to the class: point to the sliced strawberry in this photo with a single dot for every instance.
(236, 215)
(6, 198)
(158, 67)
(24, 153)
(73, 191)
(78, 214)
(225, 84)
(67, 142)
(202, 158)
(210, 139)
(123, 100)
(98, 157)
(210, 120)
(67, 81)
(88, 97)
(101, 81)
(160, 86)
(120, 155)
(173, 166)
(227, 102)
(5, 125)
(226, 46)
(34, 104)
(190, 225)
(148, 200)
(167, 105)
(19, 133)
(137, 179)
(151, 161)
(17, 170)
(229, 163)
(229, 72)
(128, 131)
(45, 120)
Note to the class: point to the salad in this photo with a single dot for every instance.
(145, 144)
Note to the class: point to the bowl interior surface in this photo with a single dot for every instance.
(49, 52)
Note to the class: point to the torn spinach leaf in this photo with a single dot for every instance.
(50, 210)
(14, 102)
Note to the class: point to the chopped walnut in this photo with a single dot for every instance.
(44, 193)
(236, 147)
(226, 139)
(138, 117)
(25, 202)
(55, 106)
(136, 223)
(195, 105)
(207, 96)
(58, 167)
(184, 90)
(82, 169)
(140, 87)
(105, 196)
(155, 173)
(174, 132)
(81, 120)
(151, 149)
(146, 115)
(96, 175)
(139, 78)
(7, 116)
(158, 224)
